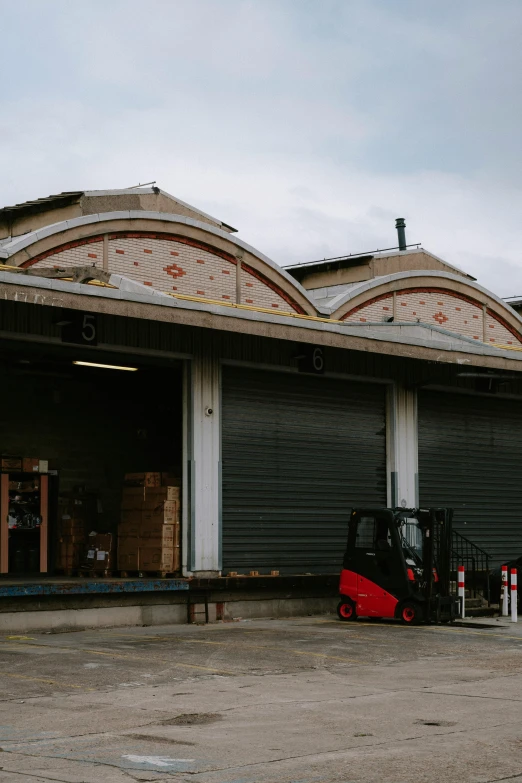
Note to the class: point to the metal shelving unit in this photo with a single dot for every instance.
(42, 530)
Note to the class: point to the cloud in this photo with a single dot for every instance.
(310, 126)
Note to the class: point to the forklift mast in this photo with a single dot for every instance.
(436, 527)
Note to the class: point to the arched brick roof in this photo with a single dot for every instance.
(170, 253)
(435, 298)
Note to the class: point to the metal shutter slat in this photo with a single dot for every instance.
(470, 458)
(298, 452)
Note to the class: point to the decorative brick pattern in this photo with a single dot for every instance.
(166, 264)
(496, 332)
(255, 292)
(376, 311)
(165, 270)
(86, 254)
(439, 307)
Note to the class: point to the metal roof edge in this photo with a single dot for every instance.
(458, 344)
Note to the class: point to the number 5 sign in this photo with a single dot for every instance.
(81, 330)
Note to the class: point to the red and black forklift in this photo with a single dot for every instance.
(398, 565)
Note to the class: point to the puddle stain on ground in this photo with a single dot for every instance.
(166, 740)
(193, 719)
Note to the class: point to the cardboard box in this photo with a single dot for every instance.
(30, 464)
(70, 525)
(78, 538)
(131, 516)
(129, 561)
(170, 480)
(166, 512)
(69, 548)
(174, 493)
(158, 558)
(68, 555)
(97, 559)
(103, 559)
(76, 532)
(129, 529)
(128, 554)
(98, 550)
(155, 494)
(136, 497)
(143, 479)
(70, 515)
(128, 543)
(132, 499)
(71, 505)
(11, 464)
(101, 541)
(158, 534)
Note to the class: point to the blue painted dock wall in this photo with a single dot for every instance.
(58, 607)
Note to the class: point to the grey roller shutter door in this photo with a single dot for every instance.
(297, 453)
(470, 458)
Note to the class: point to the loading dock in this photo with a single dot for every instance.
(270, 454)
(90, 424)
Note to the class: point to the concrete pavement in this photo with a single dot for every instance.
(305, 700)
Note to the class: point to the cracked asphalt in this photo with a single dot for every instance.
(307, 700)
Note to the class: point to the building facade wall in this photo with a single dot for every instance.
(205, 351)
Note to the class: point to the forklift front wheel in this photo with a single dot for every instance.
(410, 613)
(346, 610)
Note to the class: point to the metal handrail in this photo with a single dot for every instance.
(475, 560)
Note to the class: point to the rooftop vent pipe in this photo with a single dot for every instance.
(400, 225)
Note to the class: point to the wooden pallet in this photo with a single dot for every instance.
(148, 574)
(66, 571)
(96, 573)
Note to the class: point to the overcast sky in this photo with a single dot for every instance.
(309, 125)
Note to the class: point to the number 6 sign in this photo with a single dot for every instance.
(311, 359)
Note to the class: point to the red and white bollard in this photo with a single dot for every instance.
(504, 591)
(514, 596)
(461, 592)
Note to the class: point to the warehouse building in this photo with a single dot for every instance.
(142, 338)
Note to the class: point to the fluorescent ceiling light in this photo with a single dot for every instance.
(106, 366)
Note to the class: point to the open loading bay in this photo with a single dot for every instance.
(92, 459)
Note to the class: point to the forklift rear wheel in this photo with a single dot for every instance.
(410, 613)
(346, 610)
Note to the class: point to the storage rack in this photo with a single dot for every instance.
(43, 479)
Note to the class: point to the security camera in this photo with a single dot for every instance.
(209, 411)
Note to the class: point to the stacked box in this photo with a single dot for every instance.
(71, 533)
(149, 531)
(13, 464)
(142, 480)
(67, 556)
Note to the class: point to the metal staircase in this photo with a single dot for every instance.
(476, 563)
